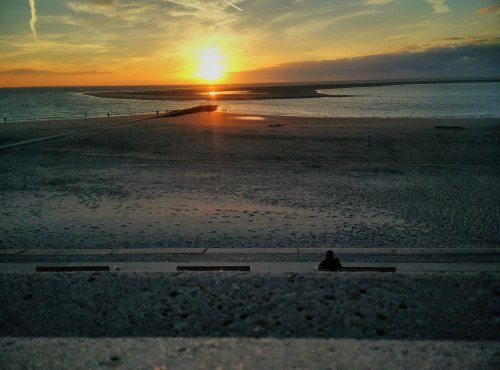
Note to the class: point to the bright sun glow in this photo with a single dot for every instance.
(210, 65)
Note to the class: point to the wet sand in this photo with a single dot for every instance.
(228, 180)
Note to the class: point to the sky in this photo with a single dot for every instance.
(157, 42)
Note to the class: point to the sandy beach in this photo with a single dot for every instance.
(142, 194)
(227, 180)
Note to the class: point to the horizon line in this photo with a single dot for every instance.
(275, 83)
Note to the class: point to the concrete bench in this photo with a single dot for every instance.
(71, 268)
(368, 268)
(214, 268)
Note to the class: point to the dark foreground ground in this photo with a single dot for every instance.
(407, 306)
(251, 321)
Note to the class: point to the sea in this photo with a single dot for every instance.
(452, 100)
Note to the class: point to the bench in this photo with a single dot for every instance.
(214, 268)
(71, 268)
(364, 269)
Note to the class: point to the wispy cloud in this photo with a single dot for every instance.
(439, 6)
(66, 19)
(194, 14)
(36, 72)
(307, 28)
(92, 7)
(53, 46)
(33, 17)
(103, 2)
(488, 10)
(232, 5)
(378, 2)
(397, 37)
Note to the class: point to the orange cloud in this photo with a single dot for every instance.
(489, 9)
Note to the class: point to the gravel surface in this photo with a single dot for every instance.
(245, 353)
(437, 306)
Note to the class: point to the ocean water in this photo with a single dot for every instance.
(417, 101)
(28, 104)
(431, 100)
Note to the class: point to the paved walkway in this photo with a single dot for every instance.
(254, 260)
(250, 267)
(244, 353)
(248, 251)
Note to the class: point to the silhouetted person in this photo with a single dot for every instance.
(108, 114)
(330, 263)
(5, 119)
(157, 113)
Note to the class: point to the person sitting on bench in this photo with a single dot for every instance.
(330, 263)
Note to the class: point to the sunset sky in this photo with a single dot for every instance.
(126, 42)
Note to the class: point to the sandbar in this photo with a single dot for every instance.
(256, 91)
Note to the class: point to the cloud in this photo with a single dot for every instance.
(378, 2)
(36, 72)
(91, 6)
(103, 2)
(396, 37)
(460, 61)
(55, 47)
(439, 6)
(33, 17)
(232, 5)
(199, 14)
(302, 30)
(68, 20)
(488, 10)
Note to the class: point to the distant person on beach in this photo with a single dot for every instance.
(5, 119)
(330, 263)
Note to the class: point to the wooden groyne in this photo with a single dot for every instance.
(197, 109)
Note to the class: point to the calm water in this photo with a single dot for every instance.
(24, 104)
(439, 100)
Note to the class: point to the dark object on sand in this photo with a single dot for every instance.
(330, 263)
(333, 264)
(214, 268)
(367, 269)
(449, 127)
(276, 125)
(198, 109)
(71, 268)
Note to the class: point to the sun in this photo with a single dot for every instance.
(210, 65)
